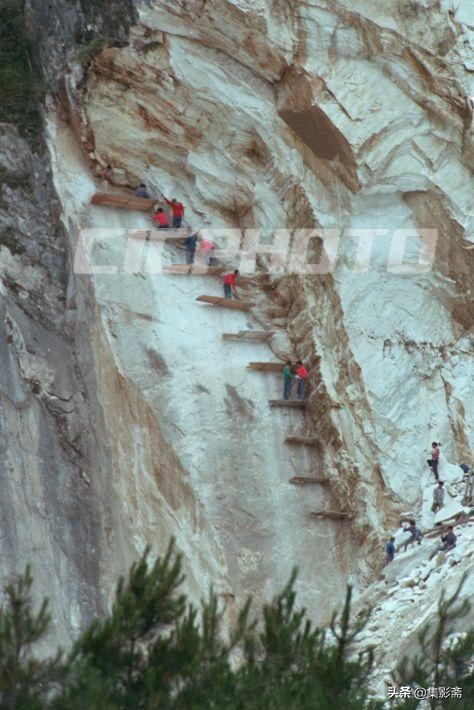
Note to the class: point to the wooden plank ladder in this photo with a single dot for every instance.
(305, 440)
(308, 480)
(331, 514)
(258, 336)
(161, 235)
(124, 201)
(195, 269)
(292, 403)
(266, 366)
(236, 304)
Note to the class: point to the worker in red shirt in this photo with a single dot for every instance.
(161, 218)
(301, 377)
(178, 211)
(433, 462)
(230, 283)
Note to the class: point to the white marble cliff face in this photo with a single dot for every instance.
(271, 115)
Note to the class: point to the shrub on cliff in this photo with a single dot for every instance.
(155, 650)
(21, 85)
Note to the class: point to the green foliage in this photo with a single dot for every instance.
(155, 650)
(440, 664)
(107, 22)
(22, 677)
(291, 665)
(21, 85)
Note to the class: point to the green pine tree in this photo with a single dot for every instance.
(156, 650)
(21, 83)
(24, 679)
(440, 664)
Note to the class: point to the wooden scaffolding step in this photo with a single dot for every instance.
(266, 366)
(236, 304)
(258, 336)
(123, 202)
(153, 234)
(305, 440)
(214, 270)
(308, 480)
(177, 269)
(331, 514)
(292, 403)
(159, 235)
(194, 269)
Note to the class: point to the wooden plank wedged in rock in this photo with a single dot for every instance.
(258, 336)
(177, 269)
(236, 304)
(307, 440)
(304, 480)
(292, 403)
(441, 528)
(195, 269)
(266, 366)
(159, 235)
(125, 202)
(332, 514)
(215, 270)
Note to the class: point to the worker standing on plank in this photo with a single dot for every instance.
(106, 177)
(287, 380)
(141, 191)
(190, 244)
(230, 283)
(438, 497)
(433, 462)
(302, 377)
(178, 211)
(161, 219)
(207, 247)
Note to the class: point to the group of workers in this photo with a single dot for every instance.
(160, 216)
(448, 539)
(195, 242)
(294, 372)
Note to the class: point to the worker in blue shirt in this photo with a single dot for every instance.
(390, 550)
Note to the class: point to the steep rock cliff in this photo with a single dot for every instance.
(264, 115)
